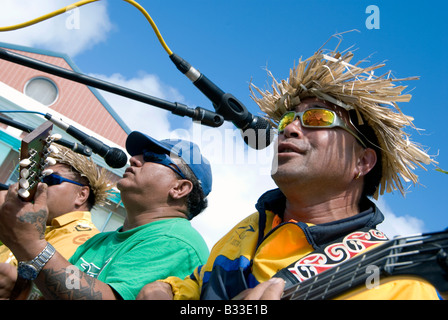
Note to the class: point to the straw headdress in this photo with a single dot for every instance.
(330, 76)
(99, 178)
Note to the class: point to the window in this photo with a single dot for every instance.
(43, 90)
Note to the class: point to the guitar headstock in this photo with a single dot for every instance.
(34, 158)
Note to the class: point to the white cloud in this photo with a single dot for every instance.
(70, 32)
(394, 225)
(137, 115)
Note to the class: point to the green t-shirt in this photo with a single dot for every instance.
(129, 260)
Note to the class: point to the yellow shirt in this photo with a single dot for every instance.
(230, 260)
(66, 233)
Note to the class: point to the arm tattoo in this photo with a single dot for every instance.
(56, 288)
(38, 219)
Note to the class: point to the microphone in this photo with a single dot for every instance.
(257, 132)
(76, 147)
(114, 157)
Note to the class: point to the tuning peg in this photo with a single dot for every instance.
(25, 162)
(50, 161)
(46, 172)
(24, 193)
(53, 149)
(24, 173)
(55, 137)
(24, 183)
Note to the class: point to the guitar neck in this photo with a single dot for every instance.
(423, 256)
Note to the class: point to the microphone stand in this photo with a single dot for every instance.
(204, 116)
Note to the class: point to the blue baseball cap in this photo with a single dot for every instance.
(187, 150)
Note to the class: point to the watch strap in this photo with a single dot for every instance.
(42, 258)
(38, 262)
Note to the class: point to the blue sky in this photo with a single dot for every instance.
(232, 43)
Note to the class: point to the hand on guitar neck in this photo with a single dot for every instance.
(21, 210)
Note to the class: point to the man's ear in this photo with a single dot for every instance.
(366, 161)
(83, 196)
(181, 189)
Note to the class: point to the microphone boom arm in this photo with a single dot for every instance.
(204, 116)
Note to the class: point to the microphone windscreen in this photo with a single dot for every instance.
(258, 134)
(116, 158)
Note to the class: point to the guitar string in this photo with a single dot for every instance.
(340, 284)
(344, 268)
(324, 292)
(312, 288)
(352, 265)
(358, 279)
(371, 255)
(325, 276)
(328, 273)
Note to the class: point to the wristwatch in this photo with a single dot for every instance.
(29, 270)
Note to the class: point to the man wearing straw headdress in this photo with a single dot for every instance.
(340, 141)
(69, 200)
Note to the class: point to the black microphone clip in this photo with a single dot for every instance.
(257, 132)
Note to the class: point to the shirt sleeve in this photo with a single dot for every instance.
(185, 289)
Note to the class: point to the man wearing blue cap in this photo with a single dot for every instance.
(165, 186)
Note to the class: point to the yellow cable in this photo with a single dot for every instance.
(153, 25)
(47, 16)
(81, 3)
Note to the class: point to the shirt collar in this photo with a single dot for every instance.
(370, 216)
(69, 217)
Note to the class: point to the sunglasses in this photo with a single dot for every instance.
(163, 159)
(316, 118)
(54, 179)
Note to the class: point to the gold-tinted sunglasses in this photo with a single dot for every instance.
(317, 118)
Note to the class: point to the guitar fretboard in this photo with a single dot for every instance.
(422, 255)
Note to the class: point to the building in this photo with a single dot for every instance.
(26, 94)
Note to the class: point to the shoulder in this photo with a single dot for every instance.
(181, 233)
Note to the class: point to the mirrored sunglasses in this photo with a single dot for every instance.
(317, 118)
